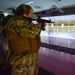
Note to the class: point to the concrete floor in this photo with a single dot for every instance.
(56, 62)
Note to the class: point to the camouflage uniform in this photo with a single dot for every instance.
(23, 64)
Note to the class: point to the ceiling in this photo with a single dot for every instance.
(38, 5)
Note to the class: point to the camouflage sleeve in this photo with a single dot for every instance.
(23, 28)
(29, 29)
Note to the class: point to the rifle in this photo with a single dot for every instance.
(43, 21)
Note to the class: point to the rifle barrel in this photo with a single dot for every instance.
(43, 20)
